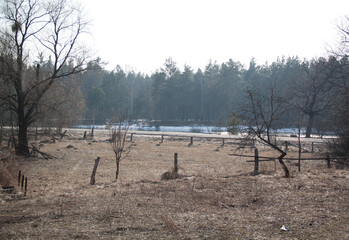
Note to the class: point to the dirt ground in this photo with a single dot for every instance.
(216, 196)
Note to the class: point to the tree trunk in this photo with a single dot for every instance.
(309, 125)
(23, 148)
(117, 169)
(287, 173)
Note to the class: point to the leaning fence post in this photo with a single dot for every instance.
(93, 175)
(328, 161)
(93, 128)
(256, 161)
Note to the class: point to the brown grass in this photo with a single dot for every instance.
(215, 198)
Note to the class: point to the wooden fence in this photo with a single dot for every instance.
(258, 159)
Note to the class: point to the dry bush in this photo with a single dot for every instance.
(169, 175)
(6, 179)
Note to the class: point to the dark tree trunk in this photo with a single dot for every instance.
(23, 148)
(22, 127)
(309, 125)
(287, 173)
(117, 169)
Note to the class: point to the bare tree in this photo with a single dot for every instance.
(261, 115)
(312, 91)
(340, 110)
(52, 27)
(342, 48)
(119, 144)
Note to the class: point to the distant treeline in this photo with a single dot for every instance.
(210, 95)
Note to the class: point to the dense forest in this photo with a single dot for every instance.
(211, 95)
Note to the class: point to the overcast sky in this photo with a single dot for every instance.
(141, 34)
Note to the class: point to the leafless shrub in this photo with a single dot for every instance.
(120, 147)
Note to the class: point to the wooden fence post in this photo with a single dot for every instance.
(1, 135)
(19, 178)
(328, 161)
(131, 139)
(93, 128)
(176, 163)
(85, 134)
(222, 142)
(256, 162)
(312, 147)
(191, 141)
(286, 146)
(93, 180)
(25, 186)
(162, 138)
(22, 185)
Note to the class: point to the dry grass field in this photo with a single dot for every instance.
(216, 197)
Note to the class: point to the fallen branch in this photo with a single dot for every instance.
(45, 155)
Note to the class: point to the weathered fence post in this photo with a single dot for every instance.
(93, 128)
(312, 147)
(25, 186)
(93, 180)
(85, 134)
(1, 135)
(19, 178)
(162, 138)
(286, 146)
(328, 161)
(256, 161)
(175, 162)
(191, 141)
(22, 183)
(131, 139)
(222, 142)
(36, 133)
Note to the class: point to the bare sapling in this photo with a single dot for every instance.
(119, 144)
